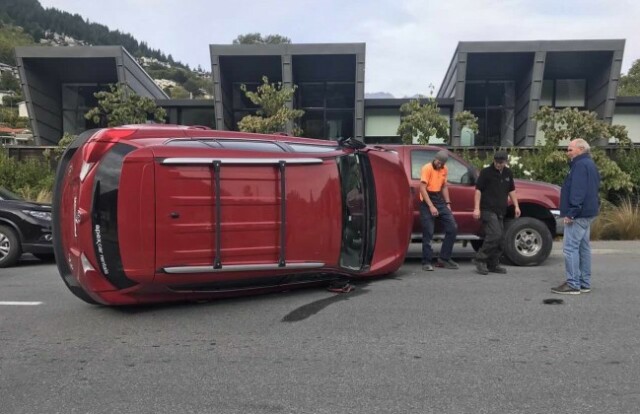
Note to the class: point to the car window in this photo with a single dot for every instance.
(458, 172)
(311, 148)
(354, 212)
(251, 145)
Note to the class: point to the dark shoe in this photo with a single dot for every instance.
(585, 289)
(447, 264)
(497, 269)
(565, 289)
(481, 267)
(427, 267)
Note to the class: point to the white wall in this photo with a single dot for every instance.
(629, 117)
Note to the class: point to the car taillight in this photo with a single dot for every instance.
(97, 146)
(93, 151)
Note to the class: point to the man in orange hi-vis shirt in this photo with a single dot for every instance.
(436, 204)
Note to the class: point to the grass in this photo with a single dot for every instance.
(621, 222)
(33, 194)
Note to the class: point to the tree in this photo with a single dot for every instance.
(178, 92)
(121, 106)
(424, 121)
(558, 125)
(8, 82)
(257, 39)
(273, 114)
(630, 83)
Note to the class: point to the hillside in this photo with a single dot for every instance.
(24, 22)
(10, 37)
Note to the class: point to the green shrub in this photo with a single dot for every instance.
(29, 177)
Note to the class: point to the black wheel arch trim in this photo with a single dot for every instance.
(61, 261)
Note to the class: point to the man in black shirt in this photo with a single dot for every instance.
(494, 185)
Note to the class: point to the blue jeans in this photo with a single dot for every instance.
(577, 252)
(428, 222)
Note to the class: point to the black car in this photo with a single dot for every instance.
(25, 227)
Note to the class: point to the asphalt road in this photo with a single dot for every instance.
(415, 342)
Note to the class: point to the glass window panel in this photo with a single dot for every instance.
(495, 94)
(198, 116)
(418, 159)
(339, 124)
(570, 92)
(240, 101)
(474, 95)
(547, 93)
(340, 95)
(458, 173)
(312, 124)
(311, 95)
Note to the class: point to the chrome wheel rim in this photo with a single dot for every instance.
(528, 242)
(5, 246)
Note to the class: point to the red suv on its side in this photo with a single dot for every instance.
(149, 213)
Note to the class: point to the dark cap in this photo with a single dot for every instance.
(442, 156)
(501, 156)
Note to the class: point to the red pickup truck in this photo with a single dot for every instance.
(528, 239)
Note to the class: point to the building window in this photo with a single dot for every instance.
(77, 100)
(571, 92)
(562, 93)
(328, 107)
(197, 116)
(493, 102)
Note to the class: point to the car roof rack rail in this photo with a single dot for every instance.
(216, 163)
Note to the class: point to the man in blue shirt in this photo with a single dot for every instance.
(579, 205)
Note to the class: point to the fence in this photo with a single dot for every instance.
(25, 152)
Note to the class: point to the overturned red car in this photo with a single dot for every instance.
(151, 213)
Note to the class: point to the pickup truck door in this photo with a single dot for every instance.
(461, 192)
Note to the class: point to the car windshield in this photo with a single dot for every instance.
(8, 195)
(358, 218)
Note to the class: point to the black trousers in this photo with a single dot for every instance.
(493, 245)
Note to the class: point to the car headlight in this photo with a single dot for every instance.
(42, 215)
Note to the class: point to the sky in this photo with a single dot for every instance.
(409, 43)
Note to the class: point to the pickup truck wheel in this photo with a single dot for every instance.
(527, 241)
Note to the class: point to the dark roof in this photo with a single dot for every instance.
(398, 102)
(628, 101)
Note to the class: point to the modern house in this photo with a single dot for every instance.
(329, 80)
(59, 82)
(502, 83)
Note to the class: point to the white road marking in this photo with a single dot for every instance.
(20, 303)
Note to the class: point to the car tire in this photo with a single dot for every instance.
(527, 241)
(10, 248)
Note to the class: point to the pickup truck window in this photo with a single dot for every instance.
(458, 172)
